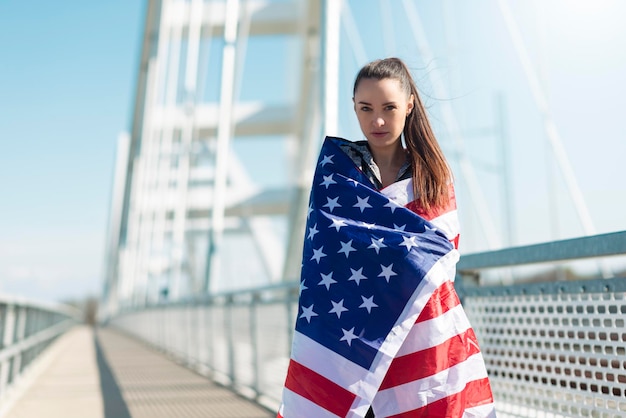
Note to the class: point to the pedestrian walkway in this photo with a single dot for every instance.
(105, 374)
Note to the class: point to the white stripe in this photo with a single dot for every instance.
(448, 223)
(481, 411)
(435, 331)
(400, 192)
(332, 366)
(295, 406)
(416, 394)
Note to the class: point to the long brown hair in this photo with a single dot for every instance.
(431, 173)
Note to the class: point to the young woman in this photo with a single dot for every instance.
(380, 329)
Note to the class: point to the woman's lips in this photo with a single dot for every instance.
(379, 134)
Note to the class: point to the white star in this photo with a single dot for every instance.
(392, 205)
(312, 232)
(328, 180)
(348, 336)
(409, 242)
(327, 159)
(308, 313)
(368, 226)
(318, 254)
(337, 308)
(387, 272)
(377, 244)
(337, 223)
(346, 247)
(332, 203)
(399, 227)
(327, 280)
(357, 275)
(428, 228)
(354, 182)
(368, 303)
(302, 287)
(362, 203)
(308, 213)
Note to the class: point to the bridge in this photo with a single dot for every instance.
(208, 209)
(551, 347)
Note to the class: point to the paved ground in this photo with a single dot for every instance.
(109, 375)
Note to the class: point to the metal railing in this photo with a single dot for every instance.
(555, 347)
(551, 349)
(240, 339)
(26, 329)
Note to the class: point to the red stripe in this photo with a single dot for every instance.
(318, 389)
(475, 393)
(441, 301)
(434, 212)
(432, 360)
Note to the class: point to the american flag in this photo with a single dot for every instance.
(379, 322)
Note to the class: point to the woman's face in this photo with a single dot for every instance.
(381, 107)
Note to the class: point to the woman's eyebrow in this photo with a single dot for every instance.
(368, 103)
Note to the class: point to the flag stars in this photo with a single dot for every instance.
(346, 248)
(357, 275)
(399, 227)
(328, 159)
(362, 203)
(337, 223)
(331, 204)
(392, 205)
(348, 336)
(387, 272)
(318, 254)
(377, 244)
(327, 280)
(338, 308)
(368, 303)
(328, 180)
(308, 313)
(302, 287)
(368, 226)
(408, 242)
(312, 232)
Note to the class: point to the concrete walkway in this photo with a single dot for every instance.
(109, 375)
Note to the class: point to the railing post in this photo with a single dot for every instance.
(208, 340)
(289, 300)
(228, 319)
(7, 341)
(19, 336)
(256, 363)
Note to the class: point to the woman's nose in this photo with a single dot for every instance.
(378, 121)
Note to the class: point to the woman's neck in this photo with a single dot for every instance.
(389, 162)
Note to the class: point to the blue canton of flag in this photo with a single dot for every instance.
(364, 258)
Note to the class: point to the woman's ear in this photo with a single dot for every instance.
(410, 105)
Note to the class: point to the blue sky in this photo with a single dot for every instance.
(67, 74)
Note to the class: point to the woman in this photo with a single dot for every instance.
(380, 329)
